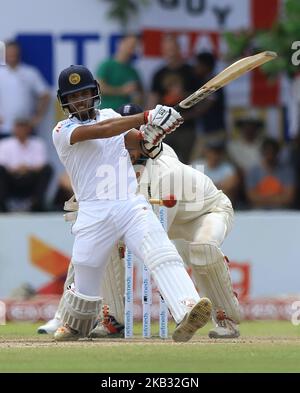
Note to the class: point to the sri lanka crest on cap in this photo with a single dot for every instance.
(74, 78)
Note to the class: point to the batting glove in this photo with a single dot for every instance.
(151, 140)
(163, 116)
(152, 134)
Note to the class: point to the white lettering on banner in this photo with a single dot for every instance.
(296, 55)
(2, 313)
(296, 315)
(2, 53)
(204, 43)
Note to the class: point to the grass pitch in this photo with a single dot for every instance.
(268, 346)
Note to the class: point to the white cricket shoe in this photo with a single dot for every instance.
(50, 327)
(225, 328)
(65, 333)
(195, 319)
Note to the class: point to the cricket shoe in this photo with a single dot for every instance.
(225, 327)
(50, 327)
(66, 333)
(107, 326)
(193, 320)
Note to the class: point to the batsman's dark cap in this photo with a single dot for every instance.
(75, 78)
(129, 109)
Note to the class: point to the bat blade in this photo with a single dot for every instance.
(229, 74)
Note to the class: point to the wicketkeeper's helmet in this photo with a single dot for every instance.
(129, 109)
(74, 79)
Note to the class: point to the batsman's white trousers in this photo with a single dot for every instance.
(100, 226)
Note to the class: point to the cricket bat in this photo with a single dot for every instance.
(226, 76)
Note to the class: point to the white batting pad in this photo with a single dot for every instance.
(169, 274)
(80, 311)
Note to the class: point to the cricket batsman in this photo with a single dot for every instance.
(93, 146)
(198, 223)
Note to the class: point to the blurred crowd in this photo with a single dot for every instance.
(254, 170)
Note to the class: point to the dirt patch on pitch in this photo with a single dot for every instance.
(49, 342)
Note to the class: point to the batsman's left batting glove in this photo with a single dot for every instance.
(151, 140)
(163, 116)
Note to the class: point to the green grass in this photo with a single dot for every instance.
(263, 347)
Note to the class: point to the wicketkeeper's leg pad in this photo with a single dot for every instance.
(211, 273)
(113, 286)
(80, 311)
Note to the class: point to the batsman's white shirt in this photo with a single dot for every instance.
(98, 168)
(105, 215)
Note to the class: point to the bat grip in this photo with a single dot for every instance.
(179, 109)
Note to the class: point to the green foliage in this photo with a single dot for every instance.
(122, 10)
(238, 43)
(279, 39)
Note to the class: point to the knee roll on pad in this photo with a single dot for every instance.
(80, 311)
(212, 277)
(158, 257)
(158, 249)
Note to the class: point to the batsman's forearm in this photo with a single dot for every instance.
(107, 128)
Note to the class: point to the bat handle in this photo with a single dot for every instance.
(179, 109)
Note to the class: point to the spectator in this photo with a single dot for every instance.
(64, 191)
(294, 159)
(23, 92)
(119, 81)
(24, 172)
(216, 167)
(171, 84)
(244, 151)
(210, 112)
(270, 184)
